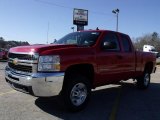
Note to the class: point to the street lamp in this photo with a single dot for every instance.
(116, 11)
(72, 28)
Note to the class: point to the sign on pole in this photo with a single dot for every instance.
(80, 17)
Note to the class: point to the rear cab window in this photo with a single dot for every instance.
(126, 44)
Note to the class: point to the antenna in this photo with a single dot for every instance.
(47, 32)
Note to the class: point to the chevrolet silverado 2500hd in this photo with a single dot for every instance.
(77, 63)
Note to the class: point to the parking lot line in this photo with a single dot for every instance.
(116, 105)
(12, 91)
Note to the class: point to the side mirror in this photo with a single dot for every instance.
(109, 45)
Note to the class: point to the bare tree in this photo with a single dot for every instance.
(2, 42)
(148, 39)
(9, 44)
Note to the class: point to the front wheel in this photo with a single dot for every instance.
(77, 93)
(143, 82)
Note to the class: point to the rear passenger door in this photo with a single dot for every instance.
(128, 56)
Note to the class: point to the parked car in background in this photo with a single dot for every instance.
(3, 53)
(158, 55)
(149, 48)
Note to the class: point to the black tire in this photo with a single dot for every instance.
(143, 81)
(76, 93)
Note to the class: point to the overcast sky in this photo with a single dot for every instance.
(27, 20)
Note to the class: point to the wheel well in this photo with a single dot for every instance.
(149, 67)
(86, 70)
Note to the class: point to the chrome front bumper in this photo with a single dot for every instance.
(37, 84)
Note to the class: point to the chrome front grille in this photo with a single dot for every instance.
(23, 62)
(22, 68)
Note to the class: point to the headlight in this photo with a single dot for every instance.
(49, 63)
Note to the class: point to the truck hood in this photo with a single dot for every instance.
(38, 48)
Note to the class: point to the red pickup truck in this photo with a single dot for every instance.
(77, 63)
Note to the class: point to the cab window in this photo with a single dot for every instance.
(126, 44)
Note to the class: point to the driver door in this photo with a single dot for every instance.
(109, 59)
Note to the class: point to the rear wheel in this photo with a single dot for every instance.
(76, 93)
(143, 82)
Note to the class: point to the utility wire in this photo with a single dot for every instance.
(67, 7)
(53, 4)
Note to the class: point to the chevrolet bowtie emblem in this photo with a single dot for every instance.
(15, 61)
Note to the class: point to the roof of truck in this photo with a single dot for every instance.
(102, 30)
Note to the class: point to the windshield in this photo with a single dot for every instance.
(80, 38)
(153, 50)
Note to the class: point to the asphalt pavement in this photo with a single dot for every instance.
(111, 102)
(158, 60)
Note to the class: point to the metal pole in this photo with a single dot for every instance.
(116, 11)
(47, 32)
(117, 22)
